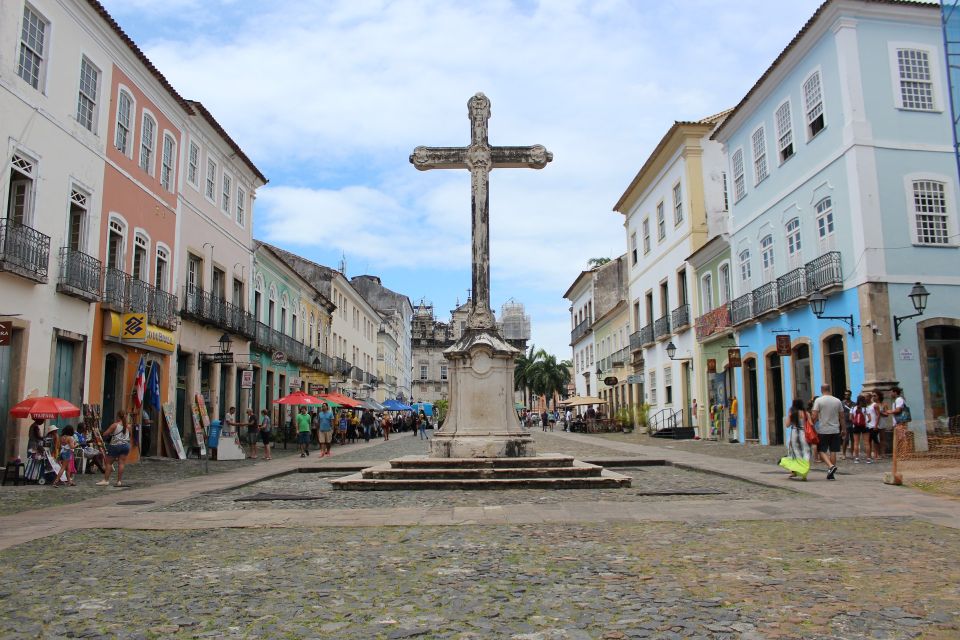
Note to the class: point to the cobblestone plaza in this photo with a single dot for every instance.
(713, 544)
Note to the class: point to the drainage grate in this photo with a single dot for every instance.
(134, 503)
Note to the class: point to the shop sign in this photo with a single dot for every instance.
(157, 339)
(783, 345)
(610, 381)
(733, 358)
(635, 378)
(220, 358)
(711, 365)
(6, 330)
(279, 357)
(713, 322)
(854, 357)
(906, 354)
(133, 327)
(246, 379)
(294, 383)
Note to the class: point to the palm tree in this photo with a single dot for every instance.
(547, 377)
(523, 371)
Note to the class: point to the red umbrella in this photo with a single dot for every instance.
(44, 408)
(342, 400)
(299, 397)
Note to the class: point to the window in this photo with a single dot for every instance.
(766, 257)
(293, 325)
(653, 387)
(227, 191)
(706, 292)
(726, 284)
(124, 119)
(916, 84)
(633, 248)
(423, 372)
(162, 269)
(166, 163)
(443, 372)
(140, 260)
(20, 195)
(668, 385)
(258, 304)
(793, 241)
(825, 224)
(745, 274)
(677, 205)
(78, 220)
(194, 273)
(218, 286)
(87, 98)
(930, 209)
(726, 198)
(784, 132)
(33, 35)
(211, 179)
(241, 203)
(283, 320)
(115, 237)
(193, 164)
(759, 140)
(813, 103)
(146, 143)
(646, 235)
(661, 223)
(739, 188)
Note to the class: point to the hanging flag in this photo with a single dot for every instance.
(153, 387)
(139, 383)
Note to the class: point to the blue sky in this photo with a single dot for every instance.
(330, 98)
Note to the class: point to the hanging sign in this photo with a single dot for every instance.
(133, 327)
(246, 379)
(711, 365)
(783, 345)
(610, 381)
(279, 357)
(6, 330)
(733, 358)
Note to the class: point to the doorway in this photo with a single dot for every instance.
(112, 389)
(686, 376)
(8, 435)
(774, 399)
(63, 376)
(836, 373)
(802, 373)
(183, 407)
(268, 397)
(751, 392)
(942, 346)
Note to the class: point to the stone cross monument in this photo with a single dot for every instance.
(482, 421)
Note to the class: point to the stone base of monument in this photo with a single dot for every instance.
(546, 471)
(483, 445)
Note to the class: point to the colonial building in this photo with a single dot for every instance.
(580, 295)
(394, 356)
(611, 335)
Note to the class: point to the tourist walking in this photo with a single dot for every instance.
(266, 431)
(303, 432)
(366, 421)
(874, 411)
(253, 434)
(858, 416)
(797, 460)
(422, 426)
(386, 427)
(828, 413)
(118, 437)
(544, 420)
(567, 419)
(67, 470)
(848, 406)
(325, 429)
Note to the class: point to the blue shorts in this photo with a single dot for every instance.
(117, 450)
(303, 437)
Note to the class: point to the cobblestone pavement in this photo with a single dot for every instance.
(746, 580)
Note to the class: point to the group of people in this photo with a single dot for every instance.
(853, 429)
(323, 427)
(68, 445)
(549, 419)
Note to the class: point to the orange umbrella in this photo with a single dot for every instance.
(45, 408)
(342, 400)
(299, 397)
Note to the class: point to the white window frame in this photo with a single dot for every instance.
(896, 80)
(758, 144)
(130, 128)
(739, 181)
(116, 224)
(142, 240)
(168, 162)
(661, 222)
(633, 249)
(768, 258)
(783, 124)
(950, 209)
(163, 254)
(79, 197)
(645, 226)
(88, 95)
(677, 204)
(210, 180)
(706, 293)
(193, 165)
(826, 223)
(241, 217)
(41, 76)
(726, 282)
(809, 107)
(746, 268)
(793, 234)
(26, 165)
(149, 159)
(226, 193)
(652, 378)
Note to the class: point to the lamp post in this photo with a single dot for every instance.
(672, 351)
(817, 303)
(918, 296)
(225, 343)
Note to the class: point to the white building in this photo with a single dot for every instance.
(393, 337)
(580, 295)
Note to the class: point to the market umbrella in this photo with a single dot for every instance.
(373, 405)
(342, 400)
(396, 405)
(299, 397)
(44, 408)
(576, 401)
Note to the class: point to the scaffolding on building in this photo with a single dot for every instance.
(514, 322)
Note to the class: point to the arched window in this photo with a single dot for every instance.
(115, 243)
(825, 237)
(167, 161)
(706, 292)
(162, 268)
(141, 257)
(745, 273)
(766, 257)
(147, 141)
(124, 123)
(793, 242)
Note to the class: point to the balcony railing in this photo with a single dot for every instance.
(122, 292)
(580, 330)
(619, 358)
(646, 335)
(824, 272)
(326, 364)
(680, 317)
(80, 275)
(635, 342)
(741, 309)
(24, 250)
(343, 367)
(792, 286)
(661, 328)
(713, 322)
(764, 298)
(269, 339)
(116, 289)
(211, 309)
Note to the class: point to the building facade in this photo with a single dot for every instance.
(394, 357)
(580, 295)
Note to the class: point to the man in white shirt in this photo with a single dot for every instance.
(828, 414)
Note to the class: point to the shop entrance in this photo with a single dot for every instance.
(7, 433)
(774, 400)
(112, 389)
(802, 373)
(750, 413)
(836, 365)
(183, 407)
(942, 346)
(63, 376)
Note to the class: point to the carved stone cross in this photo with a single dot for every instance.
(480, 158)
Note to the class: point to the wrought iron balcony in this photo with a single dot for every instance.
(270, 340)
(580, 330)
(211, 309)
(792, 286)
(741, 309)
(343, 366)
(619, 358)
(124, 293)
(661, 328)
(680, 317)
(356, 373)
(24, 250)
(80, 275)
(824, 272)
(116, 289)
(764, 298)
(646, 335)
(635, 343)
(325, 364)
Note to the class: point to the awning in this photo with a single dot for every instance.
(342, 400)
(370, 403)
(577, 401)
(396, 405)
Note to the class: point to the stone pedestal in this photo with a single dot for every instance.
(482, 421)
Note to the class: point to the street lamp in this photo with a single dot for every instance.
(672, 351)
(225, 343)
(818, 301)
(918, 296)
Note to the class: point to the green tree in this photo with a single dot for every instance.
(596, 262)
(523, 371)
(546, 377)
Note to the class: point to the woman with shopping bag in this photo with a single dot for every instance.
(797, 460)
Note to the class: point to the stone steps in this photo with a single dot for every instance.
(606, 480)
(547, 460)
(386, 472)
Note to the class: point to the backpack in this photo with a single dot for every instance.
(858, 417)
